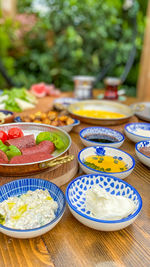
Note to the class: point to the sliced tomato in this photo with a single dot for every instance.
(15, 133)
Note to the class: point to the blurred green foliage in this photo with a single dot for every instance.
(72, 38)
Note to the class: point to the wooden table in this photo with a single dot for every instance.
(71, 244)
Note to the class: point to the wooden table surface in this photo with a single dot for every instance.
(71, 244)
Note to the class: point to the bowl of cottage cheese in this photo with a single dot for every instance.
(138, 131)
(30, 207)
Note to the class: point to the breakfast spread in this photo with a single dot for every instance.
(106, 163)
(105, 206)
(31, 210)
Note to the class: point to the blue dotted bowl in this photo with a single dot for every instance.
(130, 130)
(75, 196)
(142, 157)
(18, 187)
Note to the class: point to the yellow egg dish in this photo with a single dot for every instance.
(100, 114)
(105, 163)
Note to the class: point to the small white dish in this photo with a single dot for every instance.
(69, 127)
(105, 150)
(142, 157)
(75, 196)
(18, 187)
(130, 130)
(102, 131)
(66, 101)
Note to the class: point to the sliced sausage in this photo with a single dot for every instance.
(43, 147)
(22, 142)
(3, 157)
(33, 158)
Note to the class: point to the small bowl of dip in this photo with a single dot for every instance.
(103, 202)
(30, 207)
(106, 160)
(137, 132)
(142, 150)
(93, 136)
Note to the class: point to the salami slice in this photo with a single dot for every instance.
(3, 157)
(22, 142)
(33, 158)
(43, 147)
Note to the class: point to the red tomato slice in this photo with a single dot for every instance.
(15, 133)
(3, 136)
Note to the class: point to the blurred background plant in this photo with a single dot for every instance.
(53, 40)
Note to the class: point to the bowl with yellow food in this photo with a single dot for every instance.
(106, 160)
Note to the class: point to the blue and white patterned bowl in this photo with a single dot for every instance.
(131, 129)
(103, 131)
(69, 127)
(18, 187)
(75, 196)
(110, 151)
(143, 158)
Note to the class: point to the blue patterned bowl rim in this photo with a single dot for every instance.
(100, 128)
(137, 124)
(140, 143)
(44, 226)
(76, 122)
(131, 216)
(114, 148)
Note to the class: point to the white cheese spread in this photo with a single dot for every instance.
(28, 211)
(105, 206)
(143, 132)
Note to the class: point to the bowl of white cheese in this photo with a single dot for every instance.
(30, 207)
(137, 132)
(103, 202)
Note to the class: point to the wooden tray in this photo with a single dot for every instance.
(59, 175)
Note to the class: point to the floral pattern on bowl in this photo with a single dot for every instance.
(75, 196)
(116, 153)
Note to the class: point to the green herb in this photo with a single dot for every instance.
(2, 219)
(94, 158)
(13, 151)
(116, 161)
(122, 169)
(108, 169)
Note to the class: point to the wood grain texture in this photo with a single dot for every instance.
(71, 244)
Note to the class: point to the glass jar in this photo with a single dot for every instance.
(111, 88)
(83, 86)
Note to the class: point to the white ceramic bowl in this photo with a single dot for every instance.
(75, 196)
(143, 158)
(69, 127)
(131, 129)
(103, 131)
(105, 150)
(18, 187)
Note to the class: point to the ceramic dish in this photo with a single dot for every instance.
(18, 187)
(144, 110)
(142, 157)
(104, 105)
(105, 150)
(102, 131)
(33, 128)
(65, 101)
(130, 130)
(75, 196)
(8, 119)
